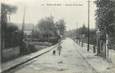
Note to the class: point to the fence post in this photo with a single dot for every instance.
(94, 50)
(107, 49)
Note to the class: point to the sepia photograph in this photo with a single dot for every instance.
(57, 36)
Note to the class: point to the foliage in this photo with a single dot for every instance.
(9, 9)
(12, 36)
(104, 15)
(77, 34)
(10, 32)
(5, 10)
(61, 26)
(105, 18)
(92, 39)
(47, 30)
(47, 27)
(83, 30)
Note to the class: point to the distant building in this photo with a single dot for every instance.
(28, 30)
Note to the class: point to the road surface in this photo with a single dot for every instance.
(70, 61)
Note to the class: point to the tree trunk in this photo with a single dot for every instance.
(107, 50)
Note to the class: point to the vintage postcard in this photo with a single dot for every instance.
(57, 36)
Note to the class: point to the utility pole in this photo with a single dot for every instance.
(3, 24)
(23, 23)
(77, 33)
(22, 34)
(88, 24)
(0, 46)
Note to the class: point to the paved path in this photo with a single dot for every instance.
(70, 61)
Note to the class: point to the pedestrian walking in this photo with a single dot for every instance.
(54, 52)
(59, 49)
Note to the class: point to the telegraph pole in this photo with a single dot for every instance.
(23, 23)
(88, 24)
(22, 34)
(77, 33)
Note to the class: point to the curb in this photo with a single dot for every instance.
(90, 65)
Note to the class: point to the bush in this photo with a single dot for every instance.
(31, 48)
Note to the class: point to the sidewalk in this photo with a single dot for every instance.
(70, 61)
(98, 63)
(24, 59)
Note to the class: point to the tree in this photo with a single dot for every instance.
(61, 26)
(5, 10)
(104, 15)
(47, 28)
(104, 20)
(12, 32)
(83, 30)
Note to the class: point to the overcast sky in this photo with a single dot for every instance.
(76, 13)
